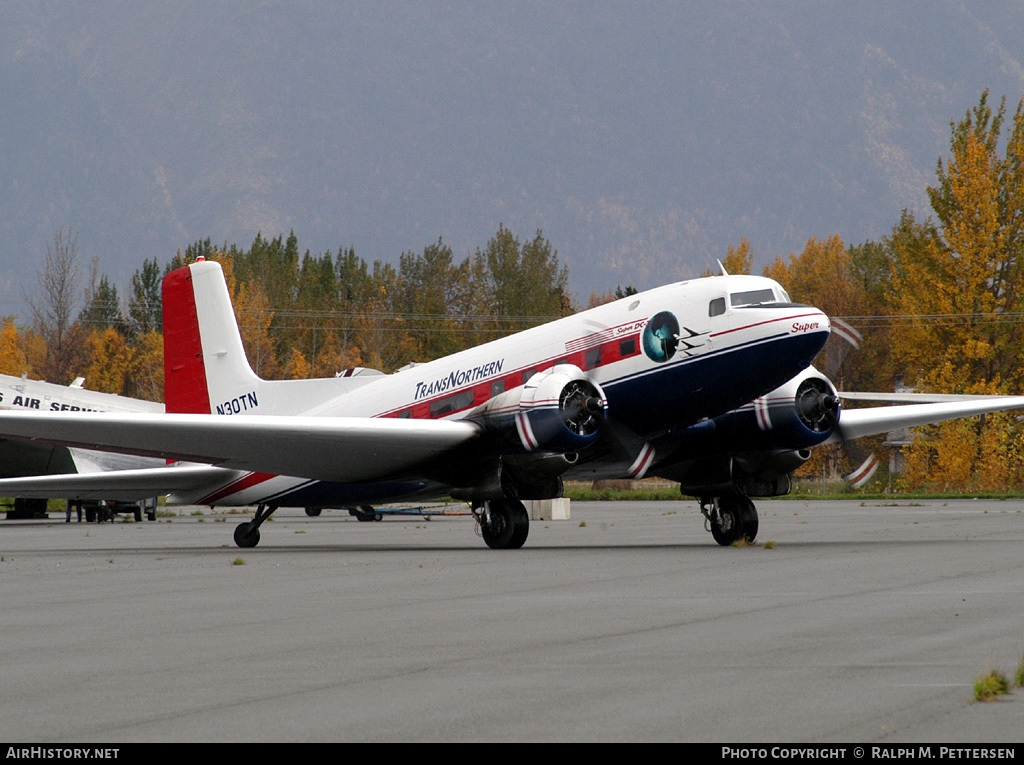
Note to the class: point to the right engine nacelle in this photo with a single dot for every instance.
(558, 410)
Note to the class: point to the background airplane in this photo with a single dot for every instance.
(706, 382)
(21, 458)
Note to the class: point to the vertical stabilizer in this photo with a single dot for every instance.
(205, 366)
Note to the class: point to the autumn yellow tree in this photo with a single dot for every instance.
(255, 315)
(959, 285)
(145, 377)
(821, 276)
(737, 260)
(110, 357)
(12, 356)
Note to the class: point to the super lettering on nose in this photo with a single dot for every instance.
(805, 326)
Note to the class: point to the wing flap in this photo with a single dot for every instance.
(343, 449)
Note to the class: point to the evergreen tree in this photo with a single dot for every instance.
(145, 306)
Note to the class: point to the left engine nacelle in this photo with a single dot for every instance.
(802, 413)
(558, 410)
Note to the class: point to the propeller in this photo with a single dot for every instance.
(625, 443)
(843, 340)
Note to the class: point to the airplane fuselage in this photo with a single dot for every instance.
(665, 359)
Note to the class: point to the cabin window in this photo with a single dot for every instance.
(752, 297)
(527, 374)
(498, 386)
(405, 414)
(716, 307)
(627, 347)
(593, 357)
(452, 403)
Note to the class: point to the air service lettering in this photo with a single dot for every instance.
(27, 402)
(457, 379)
(239, 404)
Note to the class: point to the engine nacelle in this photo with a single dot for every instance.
(802, 413)
(558, 410)
(794, 417)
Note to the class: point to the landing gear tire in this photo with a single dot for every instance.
(246, 536)
(508, 527)
(312, 512)
(737, 519)
(749, 516)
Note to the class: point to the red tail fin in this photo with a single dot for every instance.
(185, 389)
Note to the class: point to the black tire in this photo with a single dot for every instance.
(748, 516)
(738, 520)
(312, 512)
(510, 525)
(730, 525)
(245, 536)
(151, 515)
(138, 515)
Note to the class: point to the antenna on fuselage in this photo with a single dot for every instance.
(724, 272)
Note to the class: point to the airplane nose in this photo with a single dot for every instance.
(813, 326)
(811, 321)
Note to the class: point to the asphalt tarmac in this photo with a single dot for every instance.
(862, 622)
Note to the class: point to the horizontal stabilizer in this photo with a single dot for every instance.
(123, 485)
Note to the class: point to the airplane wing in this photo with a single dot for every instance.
(858, 423)
(915, 398)
(122, 485)
(343, 449)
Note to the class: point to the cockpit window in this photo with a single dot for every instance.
(752, 297)
(716, 307)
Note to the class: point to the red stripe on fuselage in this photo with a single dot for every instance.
(767, 321)
(236, 486)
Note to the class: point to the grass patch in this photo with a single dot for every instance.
(238, 562)
(1018, 676)
(586, 493)
(990, 685)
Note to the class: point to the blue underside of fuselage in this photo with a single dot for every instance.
(331, 495)
(678, 394)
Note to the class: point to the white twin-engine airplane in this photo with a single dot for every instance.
(706, 382)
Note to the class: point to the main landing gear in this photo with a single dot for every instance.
(248, 534)
(503, 523)
(730, 518)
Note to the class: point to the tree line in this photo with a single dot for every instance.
(300, 314)
(936, 301)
